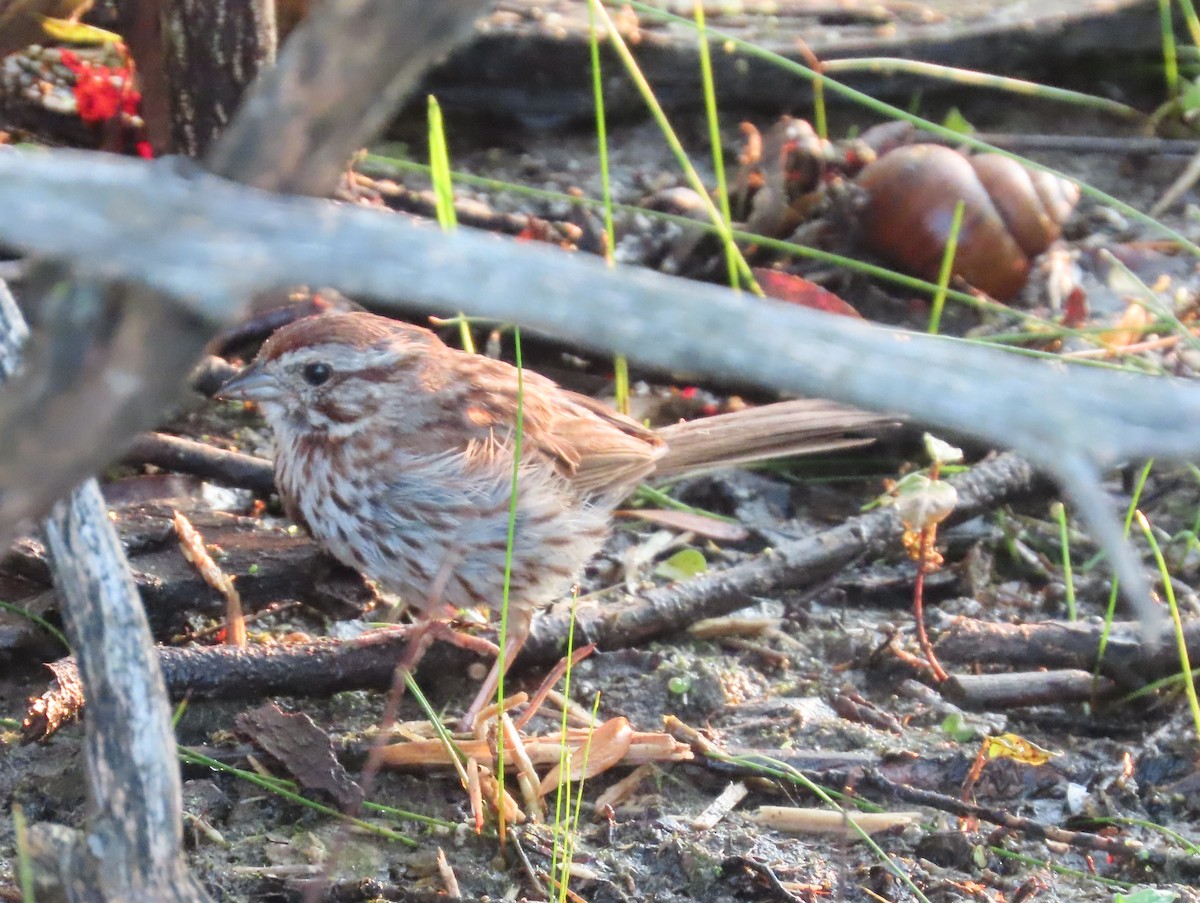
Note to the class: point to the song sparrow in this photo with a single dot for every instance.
(396, 452)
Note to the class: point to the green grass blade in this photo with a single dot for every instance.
(1059, 512)
(620, 364)
(971, 77)
(947, 268)
(1170, 50)
(38, 620)
(518, 435)
(672, 139)
(893, 112)
(192, 757)
(1115, 586)
(709, 88)
(24, 860)
(1193, 23)
(1189, 682)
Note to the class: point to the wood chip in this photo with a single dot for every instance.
(830, 821)
(721, 806)
(192, 545)
(623, 789)
(732, 625)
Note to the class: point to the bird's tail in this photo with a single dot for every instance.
(786, 428)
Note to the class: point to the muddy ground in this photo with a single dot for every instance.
(832, 689)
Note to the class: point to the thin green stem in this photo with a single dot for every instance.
(1193, 23)
(443, 193)
(1059, 869)
(620, 364)
(672, 139)
(892, 65)
(708, 84)
(621, 383)
(560, 856)
(1115, 585)
(1151, 300)
(774, 768)
(1170, 50)
(1188, 846)
(1189, 683)
(434, 719)
(38, 620)
(947, 268)
(1059, 512)
(893, 112)
(439, 168)
(574, 818)
(192, 757)
(657, 497)
(518, 436)
(24, 860)
(601, 132)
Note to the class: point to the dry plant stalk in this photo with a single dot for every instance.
(612, 743)
(721, 806)
(191, 543)
(623, 789)
(830, 821)
(527, 778)
(449, 881)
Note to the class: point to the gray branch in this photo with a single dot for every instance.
(135, 832)
(208, 243)
(110, 357)
(133, 780)
(85, 394)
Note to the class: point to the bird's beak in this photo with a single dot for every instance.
(252, 384)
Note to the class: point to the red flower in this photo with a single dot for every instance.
(100, 92)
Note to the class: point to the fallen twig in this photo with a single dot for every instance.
(1113, 846)
(329, 666)
(996, 692)
(217, 465)
(1130, 656)
(612, 623)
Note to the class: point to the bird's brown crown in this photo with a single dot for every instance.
(357, 330)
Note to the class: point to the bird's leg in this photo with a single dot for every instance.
(424, 631)
(518, 633)
(418, 636)
(447, 633)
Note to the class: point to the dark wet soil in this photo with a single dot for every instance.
(831, 693)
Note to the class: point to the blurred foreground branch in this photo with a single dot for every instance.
(208, 244)
(111, 356)
(113, 352)
(134, 845)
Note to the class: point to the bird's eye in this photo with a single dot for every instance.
(316, 373)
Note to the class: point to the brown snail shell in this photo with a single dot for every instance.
(1011, 214)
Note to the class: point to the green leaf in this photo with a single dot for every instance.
(957, 122)
(958, 729)
(682, 565)
(1147, 895)
(941, 451)
(925, 502)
